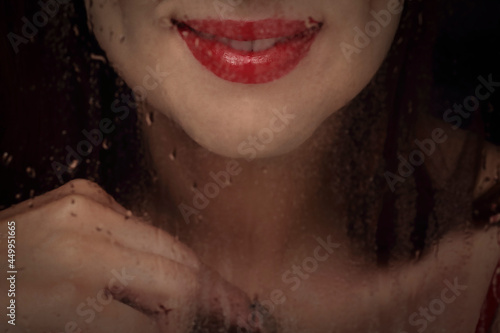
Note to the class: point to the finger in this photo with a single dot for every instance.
(77, 186)
(59, 309)
(83, 214)
(162, 289)
(159, 288)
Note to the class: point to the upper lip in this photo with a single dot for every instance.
(249, 30)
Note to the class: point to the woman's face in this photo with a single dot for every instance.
(246, 78)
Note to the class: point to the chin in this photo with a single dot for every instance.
(243, 128)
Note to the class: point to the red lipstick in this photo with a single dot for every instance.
(249, 52)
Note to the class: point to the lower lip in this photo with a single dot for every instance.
(249, 67)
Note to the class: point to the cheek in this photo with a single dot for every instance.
(361, 36)
(357, 38)
(137, 51)
(368, 29)
(105, 19)
(124, 30)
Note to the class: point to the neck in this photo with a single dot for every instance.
(234, 207)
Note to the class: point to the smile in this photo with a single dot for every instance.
(249, 52)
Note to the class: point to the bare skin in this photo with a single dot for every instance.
(83, 236)
(89, 249)
(244, 243)
(273, 218)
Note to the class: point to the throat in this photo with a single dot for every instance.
(232, 211)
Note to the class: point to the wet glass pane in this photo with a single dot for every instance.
(249, 166)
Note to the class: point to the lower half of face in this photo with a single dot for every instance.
(246, 74)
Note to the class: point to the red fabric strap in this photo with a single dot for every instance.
(491, 304)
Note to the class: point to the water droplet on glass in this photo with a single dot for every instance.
(98, 57)
(106, 144)
(149, 118)
(73, 164)
(6, 158)
(173, 155)
(31, 172)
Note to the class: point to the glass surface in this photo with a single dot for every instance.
(249, 166)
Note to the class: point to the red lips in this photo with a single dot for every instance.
(245, 51)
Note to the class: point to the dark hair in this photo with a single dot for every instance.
(438, 53)
(60, 83)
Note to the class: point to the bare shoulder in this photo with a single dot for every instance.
(489, 172)
(451, 146)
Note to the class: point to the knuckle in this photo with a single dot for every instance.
(73, 204)
(79, 183)
(74, 187)
(89, 189)
(71, 210)
(83, 187)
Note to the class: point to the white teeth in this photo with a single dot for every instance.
(205, 35)
(254, 45)
(241, 45)
(264, 44)
(248, 46)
